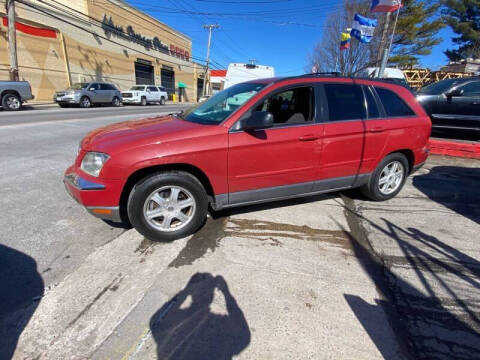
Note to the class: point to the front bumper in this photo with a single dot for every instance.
(94, 194)
(131, 100)
(66, 99)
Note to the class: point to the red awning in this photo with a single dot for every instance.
(32, 30)
(219, 73)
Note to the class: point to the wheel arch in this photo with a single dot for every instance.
(9, 91)
(409, 155)
(144, 172)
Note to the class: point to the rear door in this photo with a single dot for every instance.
(283, 160)
(106, 93)
(153, 94)
(343, 138)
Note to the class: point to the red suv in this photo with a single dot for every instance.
(254, 142)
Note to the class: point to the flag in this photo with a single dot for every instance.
(345, 43)
(386, 5)
(363, 28)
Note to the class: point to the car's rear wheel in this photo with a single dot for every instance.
(388, 178)
(162, 101)
(116, 101)
(11, 102)
(85, 102)
(143, 101)
(167, 206)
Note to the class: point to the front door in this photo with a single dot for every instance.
(280, 161)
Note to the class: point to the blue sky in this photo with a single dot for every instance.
(280, 33)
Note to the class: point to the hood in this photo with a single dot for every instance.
(135, 133)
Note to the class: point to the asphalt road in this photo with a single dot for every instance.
(49, 232)
(324, 277)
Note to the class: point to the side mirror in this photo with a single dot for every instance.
(92, 89)
(454, 92)
(258, 120)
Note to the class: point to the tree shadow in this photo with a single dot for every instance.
(21, 288)
(433, 326)
(454, 187)
(186, 328)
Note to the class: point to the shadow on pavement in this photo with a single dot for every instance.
(439, 320)
(21, 287)
(455, 187)
(186, 328)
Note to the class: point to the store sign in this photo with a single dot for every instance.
(110, 28)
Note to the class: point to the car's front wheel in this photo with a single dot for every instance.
(167, 206)
(388, 178)
(85, 102)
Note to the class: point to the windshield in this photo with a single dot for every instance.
(221, 105)
(137, 88)
(438, 87)
(78, 86)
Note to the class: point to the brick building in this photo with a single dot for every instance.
(60, 42)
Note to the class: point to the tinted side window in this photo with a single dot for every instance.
(393, 104)
(294, 106)
(373, 112)
(345, 102)
(471, 89)
(95, 86)
(153, 88)
(107, 87)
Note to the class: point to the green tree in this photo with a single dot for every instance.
(417, 32)
(463, 16)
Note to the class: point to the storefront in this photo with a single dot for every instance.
(67, 41)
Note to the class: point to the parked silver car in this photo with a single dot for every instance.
(88, 93)
(14, 93)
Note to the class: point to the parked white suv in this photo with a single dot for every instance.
(145, 94)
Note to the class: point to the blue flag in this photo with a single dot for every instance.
(363, 28)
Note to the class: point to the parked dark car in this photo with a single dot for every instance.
(453, 103)
(88, 93)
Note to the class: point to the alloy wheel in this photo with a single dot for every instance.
(13, 102)
(169, 208)
(391, 177)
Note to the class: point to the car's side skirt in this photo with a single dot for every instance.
(284, 192)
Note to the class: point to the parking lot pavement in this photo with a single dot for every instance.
(426, 241)
(328, 277)
(276, 281)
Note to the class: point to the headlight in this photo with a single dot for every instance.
(93, 162)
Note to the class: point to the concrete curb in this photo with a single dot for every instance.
(455, 148)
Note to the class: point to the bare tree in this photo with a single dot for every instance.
(327, 55)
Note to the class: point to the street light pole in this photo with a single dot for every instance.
(12, 40)
(210, 27)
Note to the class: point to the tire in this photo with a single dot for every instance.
(154, 194)
(143, 101)
(11, 102)
(85, 102)
(162, 101)
(388, 178)
(116, 101)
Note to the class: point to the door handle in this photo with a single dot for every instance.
(309, 137)
(377, 129)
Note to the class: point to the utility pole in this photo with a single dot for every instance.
(382, 55)
(12, 40)
(210, 27)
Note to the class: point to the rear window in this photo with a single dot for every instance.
(393, 104)
(345, 102)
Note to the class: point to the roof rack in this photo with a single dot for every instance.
(333, 73)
